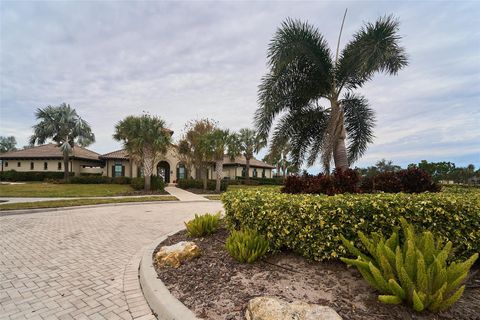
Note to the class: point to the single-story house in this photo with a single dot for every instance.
(49, 157)
(118, 164)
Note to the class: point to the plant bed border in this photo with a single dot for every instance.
(158, 297)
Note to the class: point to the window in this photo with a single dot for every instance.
(45, 165)
(32, 165)
(263, 173)
(254, 172)
(19, 164)
(118, 170)
(243, 172)
(59, 166)
(6, 163)
(181, 172)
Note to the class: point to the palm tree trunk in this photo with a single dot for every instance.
(340, 151)
(219, 172)
(147, 168)
(247, 174)
(205, 178)
(66, 175)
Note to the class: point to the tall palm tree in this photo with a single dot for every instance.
(249, 142)
(146, 139)
(64, 126)
(222, 142)
(304, 74)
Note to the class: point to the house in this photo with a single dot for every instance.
(49, 157)
(118, 164)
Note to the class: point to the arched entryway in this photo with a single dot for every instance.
(163, 170)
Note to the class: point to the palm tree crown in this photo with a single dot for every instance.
(64, 126)
(146, 139)
(304, 74)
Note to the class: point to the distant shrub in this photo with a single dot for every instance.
(416, 180)
(246, 245)
(348, 181)
(13, 175)
(203, 225)
(198, 184)
(121, 180)
(156, 183)
(341, 181)
(261, 181)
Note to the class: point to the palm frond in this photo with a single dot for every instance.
(359, 123)
(374, 48)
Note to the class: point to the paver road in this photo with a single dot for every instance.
(72, 264)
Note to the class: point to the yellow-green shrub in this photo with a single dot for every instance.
(203, 225)
(311, 225)
(246, 245)
(413, 269)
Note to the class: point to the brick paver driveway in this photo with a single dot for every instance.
(71, 264)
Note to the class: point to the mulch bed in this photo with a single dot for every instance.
(215, 286)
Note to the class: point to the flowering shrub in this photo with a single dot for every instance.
(311, 225)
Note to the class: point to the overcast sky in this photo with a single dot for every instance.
(188, 60)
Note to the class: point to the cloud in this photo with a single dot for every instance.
(187, 60)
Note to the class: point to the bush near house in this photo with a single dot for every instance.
(156, 183)
(95, 179)
(13, 175)
(198, 184)
(259, 181)
(311, 225)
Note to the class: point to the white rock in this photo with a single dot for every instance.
(271, 308)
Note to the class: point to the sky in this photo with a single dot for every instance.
(191, 60)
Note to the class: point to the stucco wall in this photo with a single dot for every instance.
(52, 165)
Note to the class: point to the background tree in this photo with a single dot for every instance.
(438, 170)
(249, 143)
(64, 126)
(195, 146)
(304, 74)
(379, 167)
(146, 139)
(221, 143)
(7, 144)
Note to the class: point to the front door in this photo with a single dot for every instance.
(163, 171)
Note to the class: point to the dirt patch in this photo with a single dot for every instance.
(215, 286)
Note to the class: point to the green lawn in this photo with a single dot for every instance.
(51, 190)
(79, 202)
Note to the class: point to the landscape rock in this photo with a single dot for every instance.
(175, 254)
(271, 308)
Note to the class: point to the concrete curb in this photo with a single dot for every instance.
(27, 211)
(158, 297)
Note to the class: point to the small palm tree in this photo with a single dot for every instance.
(64, 126)
(249, 142)
(221, 143)
(146, 139)
(304, 74)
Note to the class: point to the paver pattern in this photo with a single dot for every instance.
(81, 263)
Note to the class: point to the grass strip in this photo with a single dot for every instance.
(79, 202)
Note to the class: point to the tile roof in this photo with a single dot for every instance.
(118, 154)
(49, 150)
(240, 160)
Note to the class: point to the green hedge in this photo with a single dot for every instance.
(263, 181)
(311, 225)
(13, 175)
(156, 183)
(198, 184)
